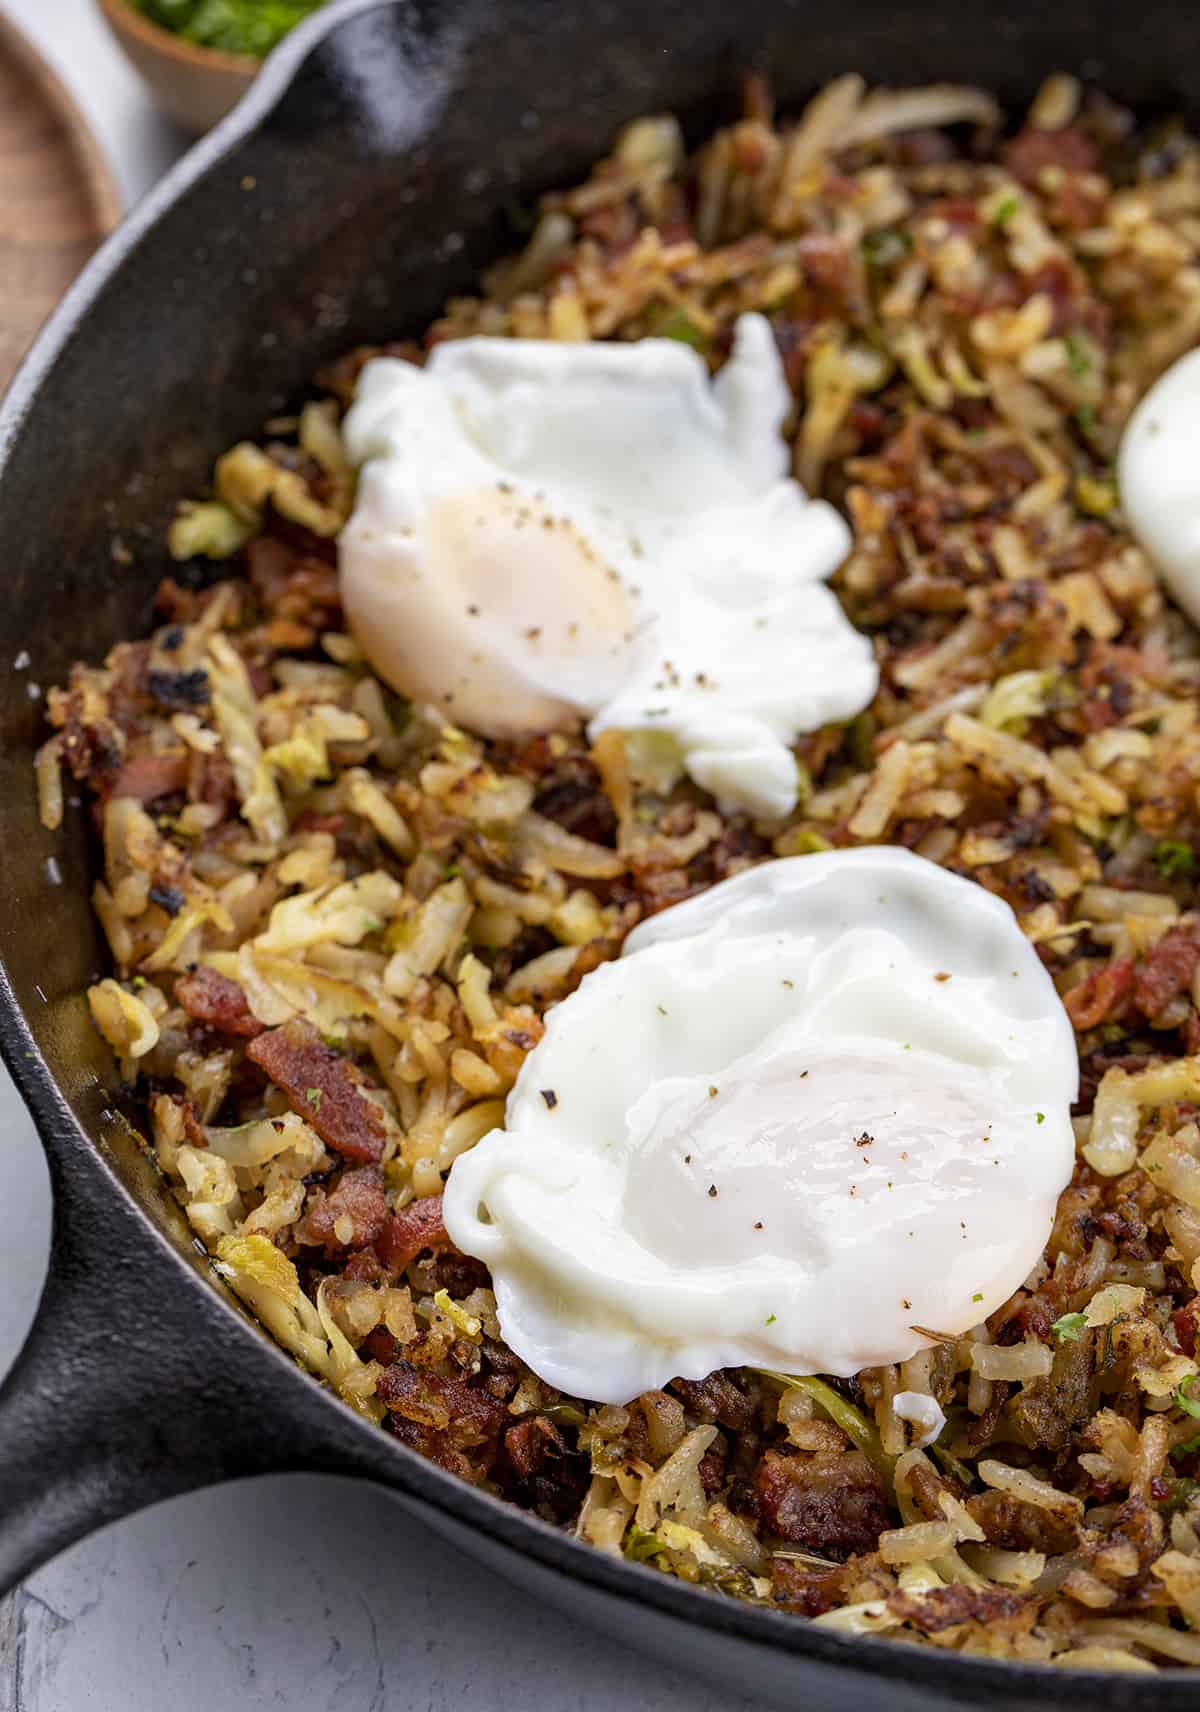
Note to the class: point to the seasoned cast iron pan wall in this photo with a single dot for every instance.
(373, 185)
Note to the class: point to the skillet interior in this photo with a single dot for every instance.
(377, 183)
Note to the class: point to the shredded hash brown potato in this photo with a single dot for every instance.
(336, 923)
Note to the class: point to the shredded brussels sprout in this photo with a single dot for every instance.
(852, 1421)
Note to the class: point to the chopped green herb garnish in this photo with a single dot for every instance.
(1187, 1447)
(313, 1097)
(1041, 1117)
(1068, 1327)
(885, 248)
(1085, 416)
(676, 325)
(1181, 1494)
(230, 26)
(862, 739)
(1081, 353)
(1004, 210)
(771, 1318)
(978, 1296)
(1189, 1405)
(641, 1545)
(1174, 859)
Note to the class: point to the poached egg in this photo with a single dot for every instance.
(809, 1120)
(546, 533)
(1156, 473)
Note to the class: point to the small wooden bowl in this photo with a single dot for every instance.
(195, 86)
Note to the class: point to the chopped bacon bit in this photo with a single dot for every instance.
(359, 1197)
(174, 602)
(825, 260)
(1097, 996)
(412, 1230)
(1018, 1526)
(193, 1129)
(446, 1405)
(217, 1002)
(717, 1399)
(293, 587)
(1167, 969)
(1185, 1322)
(805, 1589)
(311, 821)
(711, 1470)
(833, 1504)
(549, 1472)
(530, 1442)
(1034, 149)
(323, 1087)
(149, 777)
(212, 782)
(363, 1268)
(945, 1607)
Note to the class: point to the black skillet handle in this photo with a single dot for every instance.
(135, 1383)
(104, 1410)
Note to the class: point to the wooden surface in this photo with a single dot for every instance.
(57, 198)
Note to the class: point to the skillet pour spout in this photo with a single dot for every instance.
(370, 173)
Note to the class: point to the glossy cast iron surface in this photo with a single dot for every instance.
(372, 171)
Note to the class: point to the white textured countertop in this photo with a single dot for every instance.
(290, 1592)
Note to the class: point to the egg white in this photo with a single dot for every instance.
(1156, 472)
(546, 532)
(810, 1116)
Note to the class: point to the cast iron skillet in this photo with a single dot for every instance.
(372, 170)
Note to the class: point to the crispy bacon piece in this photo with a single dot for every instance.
(444, 1405)
(217, 1002)
(293, 586)
(946, 1607)
(1018, 1526)
(323, 1087)
(149, 777)
(414, 1228)
(1034, 149)
(717, 1399)
(358, 1196)
(443, 1419)
(833, 1504)
(1099, 994)
(711, 1469)
(808, 1591)
(1185, 1322)
(548, 1472)
(1167, 969)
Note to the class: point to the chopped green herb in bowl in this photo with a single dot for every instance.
(199, 57)
(251, 27)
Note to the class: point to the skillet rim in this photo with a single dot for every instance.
(368, 1452)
